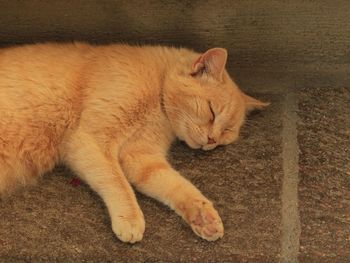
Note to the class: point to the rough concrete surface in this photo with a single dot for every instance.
(259, 34)
(325, 174)
(55, 221)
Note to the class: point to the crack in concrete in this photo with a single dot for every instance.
(290, 213)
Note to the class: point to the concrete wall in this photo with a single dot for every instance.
(277, 35)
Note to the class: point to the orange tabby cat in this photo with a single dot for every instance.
(110, 113)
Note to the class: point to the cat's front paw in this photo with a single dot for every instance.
(203, 219)
(129, 229)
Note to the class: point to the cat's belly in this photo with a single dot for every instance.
(28, 148)
(30, 136)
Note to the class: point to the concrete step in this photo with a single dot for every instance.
(57, 221)
(324, 189)
(283, 190)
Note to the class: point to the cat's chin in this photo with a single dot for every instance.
(191, 143)
(194, 145)
(209, 147)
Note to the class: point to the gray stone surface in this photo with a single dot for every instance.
(324, 136)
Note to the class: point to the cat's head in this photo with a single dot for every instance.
(203, 104)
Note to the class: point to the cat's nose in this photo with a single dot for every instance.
(211, 140)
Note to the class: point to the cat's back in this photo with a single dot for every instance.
(39, 82)
(33, 69)
(41, 76)
(40, 96)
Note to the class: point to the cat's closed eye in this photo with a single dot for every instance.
(212, 111)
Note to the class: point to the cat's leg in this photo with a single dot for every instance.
(152, 175)
(84, 156)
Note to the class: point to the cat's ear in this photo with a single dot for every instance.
(211, 62)
(253, 104)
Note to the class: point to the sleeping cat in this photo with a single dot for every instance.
(110, 113)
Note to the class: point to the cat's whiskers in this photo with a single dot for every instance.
(179, 113)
